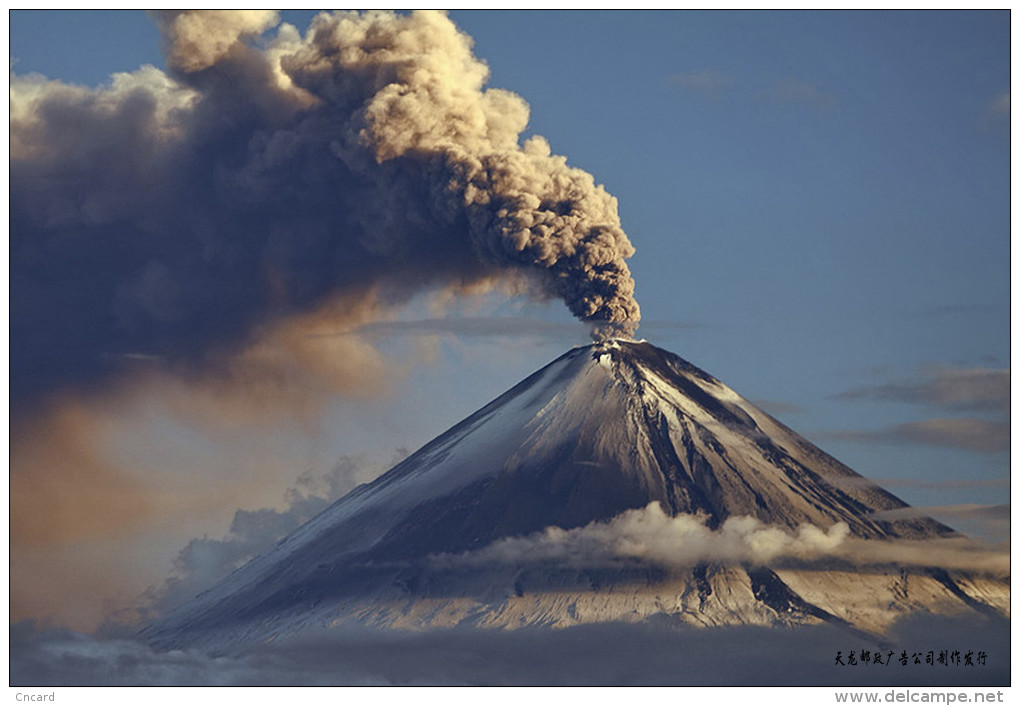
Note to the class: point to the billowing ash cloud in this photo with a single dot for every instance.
(676, 542)
(180, 217)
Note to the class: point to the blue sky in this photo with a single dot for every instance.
(820, 208)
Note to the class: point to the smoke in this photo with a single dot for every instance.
(184, 216)
(682, 541)
(185, 244)
(65, 488)
(197, 40)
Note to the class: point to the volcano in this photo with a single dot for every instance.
(498, 523)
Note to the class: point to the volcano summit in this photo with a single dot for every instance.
(617, 483)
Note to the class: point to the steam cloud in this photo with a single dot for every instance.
(180, 216)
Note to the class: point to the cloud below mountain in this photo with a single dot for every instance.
(682, 541)
(608, 654)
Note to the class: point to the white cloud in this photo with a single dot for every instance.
(676, 542)
(650, 534)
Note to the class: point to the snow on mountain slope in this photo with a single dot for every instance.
(602, 430)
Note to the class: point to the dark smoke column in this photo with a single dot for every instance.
(182, 216)
(526, 208)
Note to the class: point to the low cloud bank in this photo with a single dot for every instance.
(681, 541)
(599, 655)
(650, 534)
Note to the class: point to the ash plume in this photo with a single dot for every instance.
(180, 217)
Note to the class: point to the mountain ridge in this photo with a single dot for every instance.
(603, 430)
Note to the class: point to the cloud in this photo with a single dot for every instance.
(62, 487)
(990, 521)
(682, 541)
(89, 550)
(968, 434)
(657, 652)
(996, 513)
(778, 407)
(649, 534)
(996, 115)
(706, 82)
(794, 91)
(965, 484)
(205, 560)
(498, 326)
(965, 389)
(999, 105)
(983, 390)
